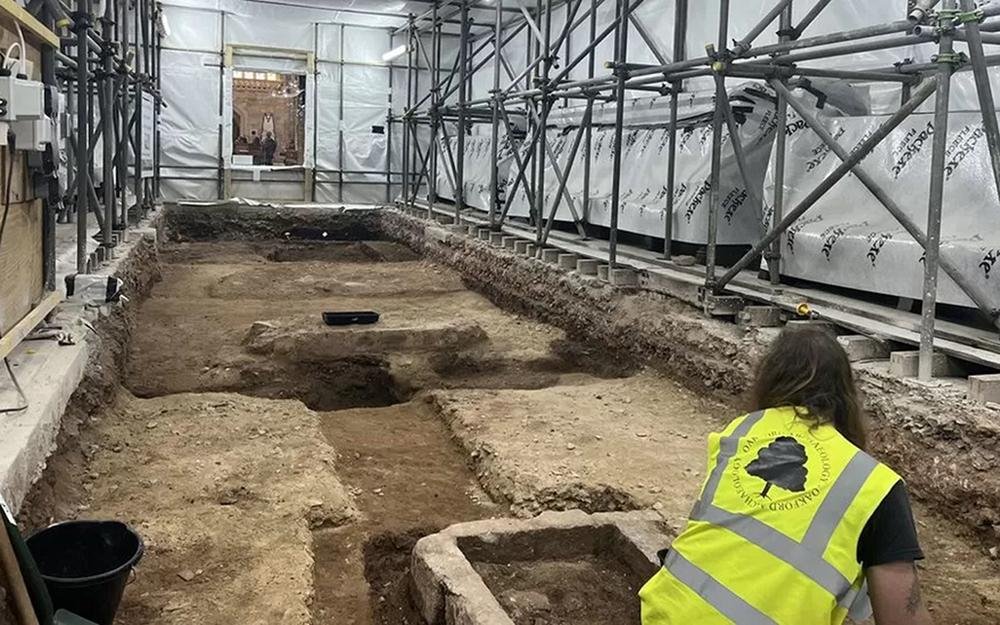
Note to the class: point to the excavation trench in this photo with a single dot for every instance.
(244, 319)
(282, 470)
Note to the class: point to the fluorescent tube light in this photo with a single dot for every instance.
(395, 53)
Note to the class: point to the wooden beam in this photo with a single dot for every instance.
(24, 327)
(29, 23)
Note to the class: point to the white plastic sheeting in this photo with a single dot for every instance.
(644, 168)
(848, 238)
(350, 93)
(478, 164)
(189, 126)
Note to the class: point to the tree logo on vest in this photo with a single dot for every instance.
(779, 461)
(782, 463)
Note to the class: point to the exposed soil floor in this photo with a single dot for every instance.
(586, 590)
(280, 470)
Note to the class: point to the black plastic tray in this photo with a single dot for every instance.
(364, 317)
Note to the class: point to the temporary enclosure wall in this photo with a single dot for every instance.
(849, 144)
(349, 90)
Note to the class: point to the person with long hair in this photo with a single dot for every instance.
(796, 523)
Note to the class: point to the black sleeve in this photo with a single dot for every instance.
(890, 534)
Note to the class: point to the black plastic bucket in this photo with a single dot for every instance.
(86, 565)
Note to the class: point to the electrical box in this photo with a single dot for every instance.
(33, 134)
(21, 99)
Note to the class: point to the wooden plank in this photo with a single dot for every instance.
(32, 28)
(21, 259)
(24, 327)
(21, 263)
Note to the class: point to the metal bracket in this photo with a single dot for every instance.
(720, 305)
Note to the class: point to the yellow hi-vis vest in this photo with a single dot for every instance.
(773, 539)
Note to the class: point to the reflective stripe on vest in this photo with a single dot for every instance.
(728, 603)
(805, 556)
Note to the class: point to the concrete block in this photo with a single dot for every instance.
(567, 261)
(521, 247)
(906, 365)
(587, 266)
(761, 317)
(508, 242)
(623, 276)
(603, 271)
(985, 388)
(496, 239)
(447, 589)
(550, 255)
(49, 376)
(684, 287)
(484, 234)
(859, 347)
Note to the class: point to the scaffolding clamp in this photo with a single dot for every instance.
(957, 17)
(618, 69)
(82, 21)
(792, 33)
(720, 60)
(955, 59)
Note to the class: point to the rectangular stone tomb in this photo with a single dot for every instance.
(560, 567)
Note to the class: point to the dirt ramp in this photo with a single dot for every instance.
(604, 445)
(305, 339)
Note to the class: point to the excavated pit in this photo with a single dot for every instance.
(244, 317)
(559, 568)
(575, 579)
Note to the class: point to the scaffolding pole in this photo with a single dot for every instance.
(545, 79)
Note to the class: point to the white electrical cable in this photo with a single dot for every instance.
(8, 61)
(20, 46)
(24, 48)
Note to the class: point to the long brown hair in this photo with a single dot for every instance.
(806, 367)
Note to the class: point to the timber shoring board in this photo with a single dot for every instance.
(21, 261)
(21, 283)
